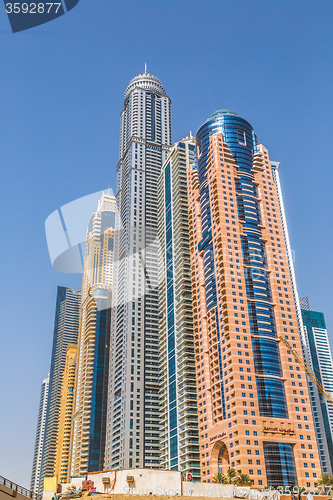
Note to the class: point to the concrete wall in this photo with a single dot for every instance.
(146, 481)
(160, 483)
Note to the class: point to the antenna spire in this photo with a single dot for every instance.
(145, 67)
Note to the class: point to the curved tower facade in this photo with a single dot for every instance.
(133, 408)
(253, 401)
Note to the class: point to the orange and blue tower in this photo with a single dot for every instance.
(253, 402)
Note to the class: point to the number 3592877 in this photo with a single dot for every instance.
(32, 8)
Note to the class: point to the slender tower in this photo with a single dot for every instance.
(66, 327)
(40, 432)
(92, 366)
(179, 412)
(318, 353)
(133, 409)
(253, 400)
(65, 418)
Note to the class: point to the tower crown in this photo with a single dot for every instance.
(145, 81)
(221, 112)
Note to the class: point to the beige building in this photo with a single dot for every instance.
(65, 416)
(89, 418)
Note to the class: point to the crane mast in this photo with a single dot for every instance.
(307, 370)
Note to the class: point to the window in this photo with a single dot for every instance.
(241, 136)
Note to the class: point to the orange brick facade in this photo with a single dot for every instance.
(235, 438)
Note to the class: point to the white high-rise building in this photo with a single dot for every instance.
(179, 412)
(40, 432)
(133, 431)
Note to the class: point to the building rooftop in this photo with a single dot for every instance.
(145, 81)
(221, 112)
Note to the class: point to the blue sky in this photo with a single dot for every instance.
(61, 93)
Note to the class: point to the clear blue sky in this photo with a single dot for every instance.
(61, 92)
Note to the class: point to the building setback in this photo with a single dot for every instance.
(179, 417)
(253, 401)
(40, 433)
(66, 326)
(133, 408)
(92, 367)
(317, 351)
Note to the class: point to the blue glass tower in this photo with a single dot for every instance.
(320, 359)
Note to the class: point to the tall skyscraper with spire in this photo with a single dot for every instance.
(133, 408)
(92, 364)
(253, 400)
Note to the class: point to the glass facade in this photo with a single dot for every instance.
(100, 382)
(173, 430)
(321, 359)
(280, 464)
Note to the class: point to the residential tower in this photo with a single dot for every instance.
(133, 438)
(253, 401)
(179, 414)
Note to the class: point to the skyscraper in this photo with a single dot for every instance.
(318, 354)
(40, 433)
(66, 326)
(65, 417)
(253, 401)
(133, 409)
(179, 413)
(91, 389)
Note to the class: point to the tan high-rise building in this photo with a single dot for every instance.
(253, 401)
(91, 389)
(65, 417)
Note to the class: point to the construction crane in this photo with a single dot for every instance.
(307, 370)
